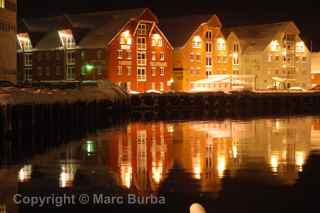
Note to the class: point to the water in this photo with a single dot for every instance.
(263, 165)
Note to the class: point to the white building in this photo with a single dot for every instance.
(274, 53)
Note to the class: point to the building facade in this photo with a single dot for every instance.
(315, 68)
(200, 49)
(273, 53)
(8, 56)
(126, 47)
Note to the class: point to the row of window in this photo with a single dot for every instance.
(141, 56)
(7, 27)
(121, 70)
(196, 71)
(70, 72)
(220, 44)
(285, 59)
(209, 59)
(286, 72)
(128, 85)
(276, 47)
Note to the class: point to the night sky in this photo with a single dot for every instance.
(231, 12)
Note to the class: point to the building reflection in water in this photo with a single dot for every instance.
(3, 209)
(25, 173)
(146, 151)
(67, 174)
(142, 155)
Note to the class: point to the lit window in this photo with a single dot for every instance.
(156, 40)
(141, 42)
(162, 56)
(119, 70)
(141, 74)
(192, 70)
(208, 71)
(275, 46)
(198, 57)
(300, 47)
(191, 57)
(208, 61)
(208, 35)
(24, 41)
(235, 59)
(198, 70)
(142, 29)
(153, 71)
(125, 39)
(129, 55)
(196, 42)
(153, 56)
(161, 71)
(153, 86)
(208, 47)
(129, 69)
(161, 86)
(142, 60)
(2, 4)
(67, 39)
(221, 44)
(128, 85)
(120, 54)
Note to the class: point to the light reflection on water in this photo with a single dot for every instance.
(140, 157)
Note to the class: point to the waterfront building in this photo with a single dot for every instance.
(315, 68)
(142, 154)
(200, 49)
(273, 53)
(8, 40)
(126, 47)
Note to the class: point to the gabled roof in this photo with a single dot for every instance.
(179, 29)
(91, 30)
(113, 22)
(255, 38)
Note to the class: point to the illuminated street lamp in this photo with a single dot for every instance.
(90, 147)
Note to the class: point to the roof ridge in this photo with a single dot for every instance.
(258, 25)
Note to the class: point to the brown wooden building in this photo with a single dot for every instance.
(126, 47)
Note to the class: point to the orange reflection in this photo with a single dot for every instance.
(145, 152)
(143, 155)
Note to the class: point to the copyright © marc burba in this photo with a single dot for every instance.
(86, 199)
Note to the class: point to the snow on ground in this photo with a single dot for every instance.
(15, 96)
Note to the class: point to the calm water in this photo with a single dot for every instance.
(264, 165)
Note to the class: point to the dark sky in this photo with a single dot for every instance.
(231, 12)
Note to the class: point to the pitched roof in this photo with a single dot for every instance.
(113, 22)
(179, 29)
(255, 38)
(91, 30)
